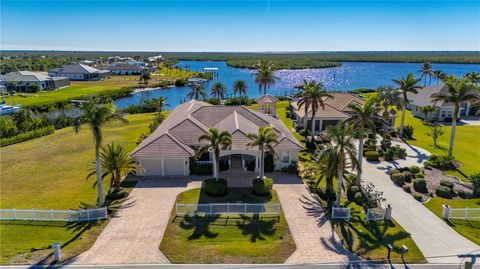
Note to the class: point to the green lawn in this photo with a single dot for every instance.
(49, 173)
(470, 229)
(463, 150)
(223, 239)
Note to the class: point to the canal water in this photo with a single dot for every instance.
(349, 76)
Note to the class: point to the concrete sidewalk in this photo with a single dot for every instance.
(431, 234)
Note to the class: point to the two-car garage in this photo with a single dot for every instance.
(164, 167)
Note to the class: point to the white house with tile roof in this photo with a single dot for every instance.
(170, 149)
(26, 78)
(79, 72)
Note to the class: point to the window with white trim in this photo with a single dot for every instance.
(285, 156)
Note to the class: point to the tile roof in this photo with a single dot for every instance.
(423, 97)
(191, 119)
(336, 107)
(77, 69)
(26, 76)
(267, 99)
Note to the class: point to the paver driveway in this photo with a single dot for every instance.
(135, 234)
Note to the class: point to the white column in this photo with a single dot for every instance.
(467, 109)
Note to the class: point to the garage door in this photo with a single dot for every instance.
(152, 167)
(174, 167)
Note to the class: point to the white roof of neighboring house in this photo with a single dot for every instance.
(267, 98)
(78, 69)
(181, 129)
(334, 108)
(423, 97)
(27, 76)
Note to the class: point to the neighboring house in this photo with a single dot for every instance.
(170, 149)
(26, 78)
(336, 110)
(445, 110)
(79, 72)
(126, 69)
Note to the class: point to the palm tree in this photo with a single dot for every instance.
(240, 88)
(363, 118)
(145, 76)
(216, 141)
(343, 137)
(264, 140)
(311, 95)
(459, 91)
(473, 77)
(218, 90)
(427, 110)
(96, 116)
(12, 87)
(197, 91)
(387, 97)
(438, 75)
(426, 71)
(265, 77)
(324, 166)
(160, 103)
(116, 163)
(406, 85)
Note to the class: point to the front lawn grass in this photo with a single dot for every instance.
(464, 148)
(469, 229)
(49, 173)
(222, 239)
(369, 239)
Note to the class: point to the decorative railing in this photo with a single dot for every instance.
(54, 215)
(227, 209)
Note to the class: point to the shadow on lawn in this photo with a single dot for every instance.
(256, 227)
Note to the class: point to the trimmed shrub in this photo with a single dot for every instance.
(440, 162)
(420, 185)
(462, 194)
(444, 192)
(447, 183)
(262, 186)
(351, 191)
(415, 169)
(394, 171)
(358, 198)
(420, 175)
(389, 154)
(398, 178)
(215, 187)
(372, 156)
(407, 188)
(408, 176)
(291, 169)
(418, 196)
(27, 136)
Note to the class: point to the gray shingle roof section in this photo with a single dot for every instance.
(25, 76)
(77, 69)
(191, 119)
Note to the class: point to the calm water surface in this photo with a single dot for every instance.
(350, 76)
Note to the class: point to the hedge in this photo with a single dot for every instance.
(215, 187)
(27, 136)
(398, 178)
(372, 156)
(420, 185)
(444, 192)
(447, 183)
(415, 169)
(262, 186)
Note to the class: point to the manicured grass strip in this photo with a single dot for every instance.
(222, 239)
(463, 149)
(469, 229)
(370, 239)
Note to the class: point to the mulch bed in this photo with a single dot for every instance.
(433, 177)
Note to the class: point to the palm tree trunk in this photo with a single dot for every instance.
(98, 169)
(358, 182)
(313, 124)
(214, 168)
(402, 121)
(339, 182)
(452, 133)
(262, 160)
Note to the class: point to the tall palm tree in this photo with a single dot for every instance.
(406, 85)
(426, 71)
(218, 90)
(96, 116)
(197, 91)
(216, 141)
(264, 140)
(265, 77)
(427, 110)
(459, 91)
(473, 77)
(311, 95)
(438, 75)
(363, 118)
(116, 163)
(145, 76)
(324, 166)
(240, 88)
(386, 98)
(343, 137)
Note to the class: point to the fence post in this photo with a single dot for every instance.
(33, 213)
(51, 214)
(388, 212)
(245, 208)
(446, 211)
(228, 208)
(210, 211)
(466, 213)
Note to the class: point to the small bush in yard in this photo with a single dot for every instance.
(418, 197)
(420, 185)
(398, 178)
(408, 176)
(215, 187)
(407, 188)
(462, 194)
(440, 162)
(420, 175)
(262, 186)
(395, 171)
(351, 191)
(444, 192)
(475, 180)
(358, 198)
(408, 131)
(447, 183)
(372, 156)
(415, 169)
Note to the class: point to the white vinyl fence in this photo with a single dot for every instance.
(460, 213)
(341, 213)
(376, 214)
(227, 209)
(54, 215)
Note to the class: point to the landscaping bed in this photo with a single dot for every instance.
(227, 239)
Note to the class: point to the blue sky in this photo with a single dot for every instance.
(240, 26)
